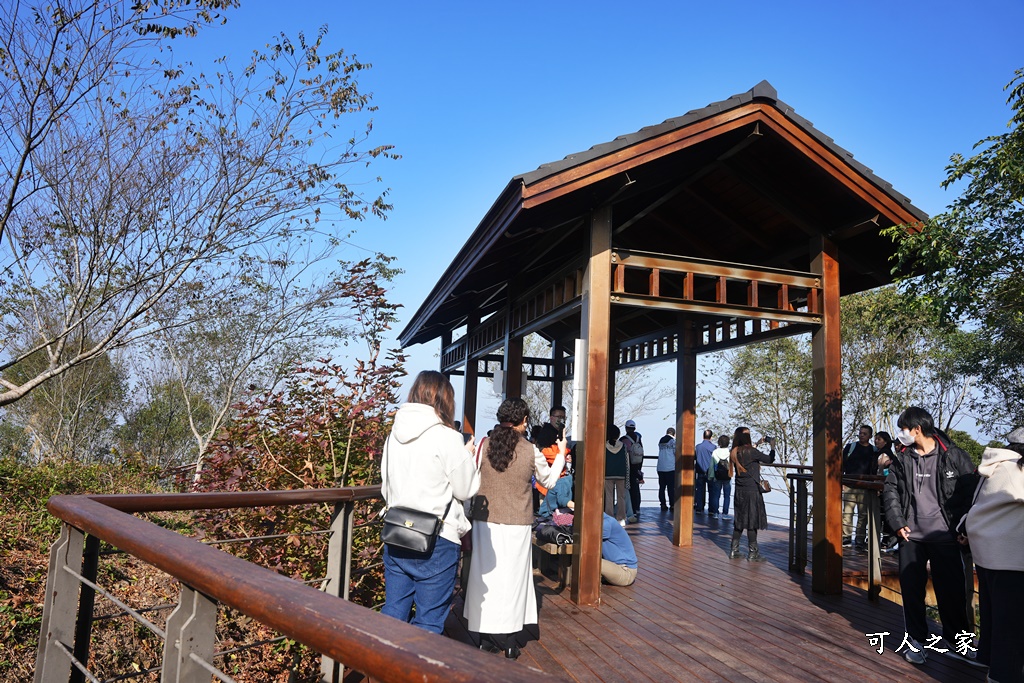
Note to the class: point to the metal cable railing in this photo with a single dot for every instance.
(376, 645)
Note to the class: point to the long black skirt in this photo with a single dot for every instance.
(748, 508)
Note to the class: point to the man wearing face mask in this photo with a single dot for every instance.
(927, 491)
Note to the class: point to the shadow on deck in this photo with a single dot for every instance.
(695, 615)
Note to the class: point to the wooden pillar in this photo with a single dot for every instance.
(827, 562)
(446, 341)
(686, 430)
(513, 367)
(470, 386)
(592, 364)
(557, 373)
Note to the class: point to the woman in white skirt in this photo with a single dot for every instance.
(500, 598)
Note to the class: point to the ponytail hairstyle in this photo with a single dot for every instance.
(433, 389)
(501, 447)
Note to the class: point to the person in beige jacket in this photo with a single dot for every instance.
(994, 527)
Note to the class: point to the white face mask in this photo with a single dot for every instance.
(905, 437)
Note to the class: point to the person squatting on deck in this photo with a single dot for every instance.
(749, 501)
(927, 492)
(500, 597)
(618, 557)
(993, 529)
(426, 467)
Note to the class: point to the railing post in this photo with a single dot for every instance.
(86, 601)
(191, 630)
(800, 556)
(339, 573)
(874, 554)
(59, 606)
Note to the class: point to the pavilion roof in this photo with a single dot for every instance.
(745, 180)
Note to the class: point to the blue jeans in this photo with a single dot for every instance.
(717, 488)
(700, 487)
(426, 580)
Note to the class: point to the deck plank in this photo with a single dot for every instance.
(695, 615)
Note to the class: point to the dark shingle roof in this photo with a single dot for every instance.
(762, 91)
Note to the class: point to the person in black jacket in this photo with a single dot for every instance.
(927, 491)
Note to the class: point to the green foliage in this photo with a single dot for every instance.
(159, 428)
(73, 415)
(26, 488)
(967, 443)
(897, 353)
(769, 390)
(969, 258)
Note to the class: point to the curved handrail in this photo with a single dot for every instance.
(369, 642)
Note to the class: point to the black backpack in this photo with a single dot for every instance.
(722, 470)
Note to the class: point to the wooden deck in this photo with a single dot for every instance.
(695, 615)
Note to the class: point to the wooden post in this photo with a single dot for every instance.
(827, 557)
(592, 425)
(513, 367)
(446, 341)
(686, 410)
(469, 387)
(557, 373)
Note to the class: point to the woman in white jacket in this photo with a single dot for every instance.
(993, 527)
(426, 467)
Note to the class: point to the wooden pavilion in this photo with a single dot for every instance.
(732, 224)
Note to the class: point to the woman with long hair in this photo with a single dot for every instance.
(748, 499)
(500, 598)
(426, 467)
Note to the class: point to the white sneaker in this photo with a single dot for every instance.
(622, 523)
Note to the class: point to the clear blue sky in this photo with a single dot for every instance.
(474, 93)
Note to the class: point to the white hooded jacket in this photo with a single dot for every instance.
(994, 522)
(426, 465)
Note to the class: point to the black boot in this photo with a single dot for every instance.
(755, 555)
(734, 548)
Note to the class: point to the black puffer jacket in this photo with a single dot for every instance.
(956, 481)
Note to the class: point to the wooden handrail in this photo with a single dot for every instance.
(165, 502)
(369, 642)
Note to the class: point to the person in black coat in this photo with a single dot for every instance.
(748, 499)
(927, 491)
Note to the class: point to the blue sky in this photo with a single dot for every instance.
(472, 94)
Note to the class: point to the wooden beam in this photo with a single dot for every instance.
(827, 563)
(593, 423)
(686, 410)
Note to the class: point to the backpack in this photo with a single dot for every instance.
(636, 452)
(722, 470)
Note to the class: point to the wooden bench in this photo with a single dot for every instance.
(562, 554)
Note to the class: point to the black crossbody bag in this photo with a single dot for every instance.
(410, 529)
